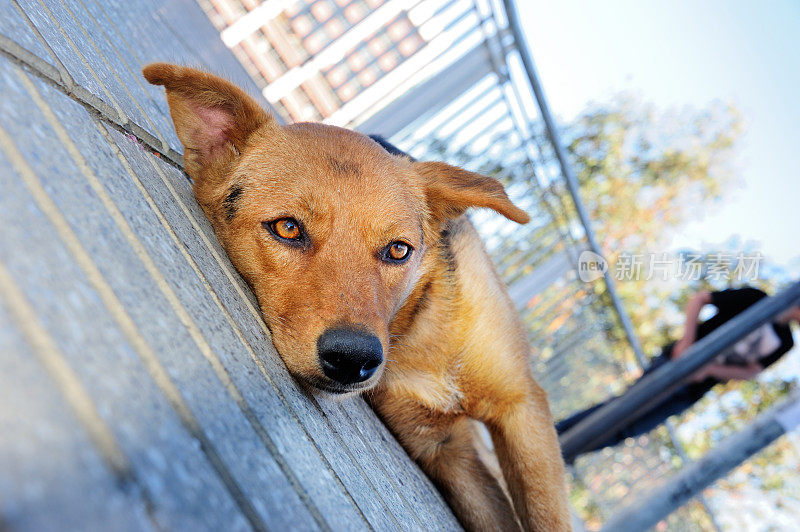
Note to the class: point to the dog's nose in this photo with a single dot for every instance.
(348, 355)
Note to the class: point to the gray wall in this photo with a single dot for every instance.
(138, 385)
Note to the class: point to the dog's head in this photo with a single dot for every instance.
(329, 229)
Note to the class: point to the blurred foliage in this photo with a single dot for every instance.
(643, 170)
(642, 174)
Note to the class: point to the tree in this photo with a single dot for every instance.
(638, 166)
(641, 174)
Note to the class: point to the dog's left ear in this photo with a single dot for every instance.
(213, 117)
(451, 190)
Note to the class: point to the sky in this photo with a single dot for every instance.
(680, 53)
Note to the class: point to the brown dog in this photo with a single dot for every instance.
(369, 277)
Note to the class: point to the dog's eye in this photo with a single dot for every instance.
(397, 252)
(285, 229)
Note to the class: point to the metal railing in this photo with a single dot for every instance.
(650, 508)
(652, 388)
(569, 175)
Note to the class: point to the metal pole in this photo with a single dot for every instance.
(732, 451)
(685, 460)
(566, 171)
(654, 387)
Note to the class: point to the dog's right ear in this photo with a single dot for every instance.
(213, 117)
(451, 190)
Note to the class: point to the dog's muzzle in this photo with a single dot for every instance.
(349, 356)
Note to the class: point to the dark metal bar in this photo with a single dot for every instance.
(648, 510)
(566, 170)
(654, 387)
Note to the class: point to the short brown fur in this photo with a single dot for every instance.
(455, 348)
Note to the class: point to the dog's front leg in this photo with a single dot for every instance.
(444, 448)
(473, 493)
(527, 448)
